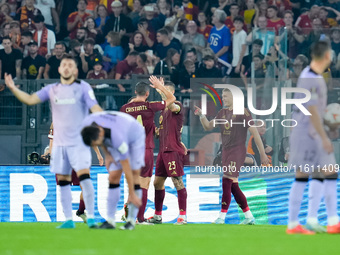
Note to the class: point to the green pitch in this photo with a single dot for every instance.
(45, 239)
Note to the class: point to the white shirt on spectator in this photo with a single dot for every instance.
(239, 39)
(50, 40)
(45, 7)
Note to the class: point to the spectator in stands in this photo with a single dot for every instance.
(300, 63)
(97, 73)
(26, 38)
(173, 39)
(92, 31)
(79, 56)
(335, 40)
(208, 69)
(124, 68)
(193, 39)
(141, 64)
(259, 72)
(48, 10)
(164, 7)
(101, 16)
(326, 22)
(53, 63)
(185, 74)
(204, 27)
(192, 55)
(137, 8)
(234, 12)
(6, 29)
(43, 36)
(118, 22)
(13, 5)
(33, 65)
(10, 59)
(15, 35)
(77, 19)
(136, 43)
(177, 21)
(26, 14)
(252, 148)
(191, 11)
(294, 37)
(164, 44)
(149, 35)
(169, 66)
(220, 37)
(256, 50)
(223, 5)
(273, 20)
(81, 34)
(305, 21)
(64, 8)
(113, 52)
(92, 55)
(240, 47)
(315, 35)
(6, 12)
(261, 11)
(281, 5)
(91, 6)
(249, 13)
(267, 37)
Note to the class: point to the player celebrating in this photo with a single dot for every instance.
(144, 112)
(233, 153)
(70, 102)
(170, 158)
(123, 141)
(311, 149)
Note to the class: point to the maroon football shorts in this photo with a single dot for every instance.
(148, 168)
(232, 160)
(74, 181)
(169, 164)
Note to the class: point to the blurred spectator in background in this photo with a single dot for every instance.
(223, 5)
(261, 11)
(15, 35)
(101, 16)
(79, 56)
(149, 34)
(113, 52)
(208, 69)
(193, 40)
(164, 7)
(192, 55)
(300, 63)
(335, 40)
(185, 74)
(220, 37)
(326, 22)
(164, 44)
(234, 12)
(77, 19)
(169, 66)
(10, 60)
(249, 13)
(53, 63)
(97, 73)
(43, 36)
(26, 38)
(141, 64)
(48, 10)
(177, 21)
(137, 7)
(81, 34)
(92, 55)
(6, 29)
(273, 20)
(136, 43)
(204, 27)
(124, 68)
(266, 36)
(305, 21)
(33, 65)
(91, 6)
(92, 31)
(13, 5)
(26, 14)
(317, 33)
(119, 22)
(191, 11)
(259, 72)
(5, 11)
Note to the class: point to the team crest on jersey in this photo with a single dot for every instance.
(173, 173)
(161, 119)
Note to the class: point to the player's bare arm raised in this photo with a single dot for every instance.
(207, 125)
(19, 94)
(158, 84)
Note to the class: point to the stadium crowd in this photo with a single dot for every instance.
(183, 39)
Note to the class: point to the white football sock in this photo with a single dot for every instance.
(112, 202)
(66, 201)
(88, 195)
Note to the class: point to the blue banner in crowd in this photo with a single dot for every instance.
(30, 194)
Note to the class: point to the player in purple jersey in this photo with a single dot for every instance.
(311, 150)
(233, 153)
(70, 101)
(122, 138)
(144, 112)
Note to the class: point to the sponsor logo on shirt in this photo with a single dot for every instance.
(65, 101)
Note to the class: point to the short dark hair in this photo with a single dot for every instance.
(89, 41)
(258, 42)
(239, 18)
(27, 34)
(60, 43)
(70, 57)
(319, 49)
(6, 38)
(288, 12)
(143, 56)
(39, 18)
(259, 56)
(133, 53)
(89, 134)
(84, 1)
(141, 88)
(163, 31)
(273, 7)
(234, 4)
(193, 50)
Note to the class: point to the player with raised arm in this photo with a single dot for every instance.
(144, 112)
(312, 150)
(122, 138)
(233, 153)
(70, 101)
(170, 158)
